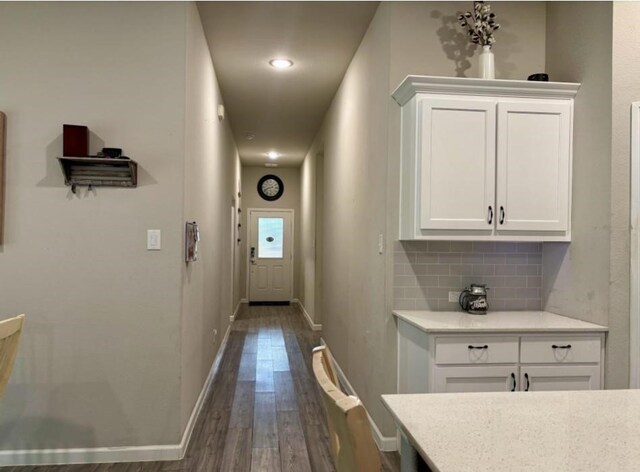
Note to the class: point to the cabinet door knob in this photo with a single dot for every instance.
(513, 384)
(555, 346)
(478, 347)
(490, 219)
(501, 215)
(526, 377)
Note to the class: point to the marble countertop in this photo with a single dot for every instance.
(524, 431)
(494, 322)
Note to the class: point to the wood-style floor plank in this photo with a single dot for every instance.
(264, 411)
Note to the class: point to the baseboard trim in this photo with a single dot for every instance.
(232, 318)
(312, 325)
(165, 452)
(384, 443)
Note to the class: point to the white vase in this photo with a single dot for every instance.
(487, 63)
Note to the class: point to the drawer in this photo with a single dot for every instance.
(560, 349)
(477, 350)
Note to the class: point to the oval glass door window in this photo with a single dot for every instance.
(270, 238)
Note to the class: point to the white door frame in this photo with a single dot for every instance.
(248, 255)
(634, 312)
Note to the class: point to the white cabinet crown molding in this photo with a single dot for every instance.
(413, 84)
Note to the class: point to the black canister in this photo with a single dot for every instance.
(474, 299)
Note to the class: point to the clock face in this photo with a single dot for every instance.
(270, 187)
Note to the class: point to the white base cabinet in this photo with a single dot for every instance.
(495, 362)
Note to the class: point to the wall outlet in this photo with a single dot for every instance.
(454, 296)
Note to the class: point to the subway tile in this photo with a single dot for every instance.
(506, 247)
(426, 304)
(534, 304)
(404, 304)
(506, 270)
(534, 281)
(495, 259)
(418, 269)
(439, 246)
(438, 269)
(427, 280)
(401, 269)
(534, 258)
(528, 292)
(516, 258)
(433, 292)
(446, 305)
(528, 270)
(505, 293)
(516, 281)
(484, 246)
(415, 292)
(404, 281)
(482, 269)
(495, 304)
(516, 304)
(398, 292)
(449, 258)
(403, 258)
(472, 258)
(461, 246)
(461, 269)
(414, 246)
(529, 247)
(450, 281)
(493, 281)
(427, 258)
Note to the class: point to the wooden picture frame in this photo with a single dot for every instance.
(2, 136)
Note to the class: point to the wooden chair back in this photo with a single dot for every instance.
(10, 331)
(352, 444)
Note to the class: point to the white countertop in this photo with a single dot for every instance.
(523, 431)
(497, 321)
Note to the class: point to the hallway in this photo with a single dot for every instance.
(264, 412)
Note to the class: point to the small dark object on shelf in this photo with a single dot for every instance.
(540, 77)
(113, 153)
(75, 141)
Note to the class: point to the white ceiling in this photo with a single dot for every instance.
(283, 109)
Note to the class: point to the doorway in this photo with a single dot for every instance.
(270, 255)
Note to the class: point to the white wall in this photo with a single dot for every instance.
(290, 199)
(100, 360)
(576, 275)
(360, 141)
(210, 191)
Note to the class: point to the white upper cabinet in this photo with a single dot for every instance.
(485, 159)
(446, 157)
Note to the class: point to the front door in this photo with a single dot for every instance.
(270, 255)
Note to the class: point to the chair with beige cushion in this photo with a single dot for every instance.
(352, 445)
(10, 331)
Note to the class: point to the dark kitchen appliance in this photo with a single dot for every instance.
(474, 299)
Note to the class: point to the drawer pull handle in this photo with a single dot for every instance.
(513, 377)
(526, 377)
(555, 346)
(478, 347)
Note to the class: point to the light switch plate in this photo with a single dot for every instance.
(454, 296)
(380, 243)
(154, 240)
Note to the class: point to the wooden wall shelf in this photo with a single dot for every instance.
(99, 172)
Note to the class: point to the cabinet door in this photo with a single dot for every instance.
(475, 379)
(563, 377)
(534, 165)
(457, 157)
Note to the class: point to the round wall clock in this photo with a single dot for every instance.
(270, 187)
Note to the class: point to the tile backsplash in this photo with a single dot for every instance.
(426, 271)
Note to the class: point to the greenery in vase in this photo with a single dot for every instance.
(480, 24)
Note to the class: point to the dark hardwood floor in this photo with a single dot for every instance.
(264, 411)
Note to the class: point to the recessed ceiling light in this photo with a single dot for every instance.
(273, 155)
(281, 63)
